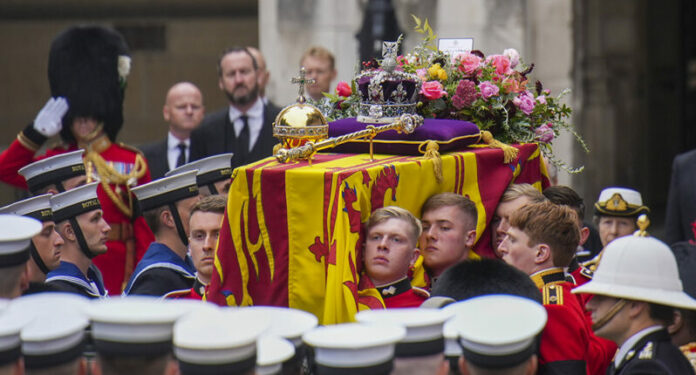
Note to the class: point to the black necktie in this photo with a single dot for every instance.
(243, 139)
(182, 155)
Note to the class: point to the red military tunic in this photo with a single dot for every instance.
(602, 349)
(402, 294)
(568, 345)
(582, 275)
(124, 231)
(196, 292)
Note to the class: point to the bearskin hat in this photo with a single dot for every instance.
(83, 67)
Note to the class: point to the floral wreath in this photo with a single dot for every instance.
(491, 91)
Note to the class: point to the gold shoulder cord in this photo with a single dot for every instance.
(108, 175)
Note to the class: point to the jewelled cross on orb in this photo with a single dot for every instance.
(302, 81)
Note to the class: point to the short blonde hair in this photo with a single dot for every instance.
(319, 53)
(515, 191)
(383, 214)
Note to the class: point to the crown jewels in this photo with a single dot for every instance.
(387, 93)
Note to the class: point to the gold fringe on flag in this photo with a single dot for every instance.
(509, 152)
(432, 153)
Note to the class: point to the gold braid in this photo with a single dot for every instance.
(108, 175)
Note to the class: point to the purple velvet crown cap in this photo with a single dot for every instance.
(450, 135)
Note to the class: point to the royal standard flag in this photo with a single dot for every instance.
(292, 233)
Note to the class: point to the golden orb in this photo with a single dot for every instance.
(300, 123)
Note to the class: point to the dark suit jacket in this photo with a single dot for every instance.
(156, 155)
(654, 354)
(681, 200)
(216, 136)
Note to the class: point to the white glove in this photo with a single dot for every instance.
(48, 121)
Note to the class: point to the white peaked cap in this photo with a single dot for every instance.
(498, 331)
(367, 348)
(640, 269)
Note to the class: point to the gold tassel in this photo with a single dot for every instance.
(432, 153)
(509, 152)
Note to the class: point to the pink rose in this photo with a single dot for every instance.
(513, 56)
(343, 89)
(500, 62)
(488, 89)
(401, 60)
(544, 133)
(541, 99)
(432, 90)
(422, 74)
(525, 101)
(468, 63)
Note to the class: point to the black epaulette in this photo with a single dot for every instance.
(552, 294)
(647, 352)
(586, 272)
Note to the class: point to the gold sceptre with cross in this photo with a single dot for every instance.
(407, 123)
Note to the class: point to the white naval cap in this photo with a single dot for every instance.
(11, 324)
(424, 328)
(218, 342)
(286, 322)
(640, 269)
(271, 352)
(210, 170)
(617, 201)
(354, 348)
(15, 237)
(73, 202)
(166, 190)
(498, 331)
(55, 335)
(133, 326)
(53, 170)
(38, 207)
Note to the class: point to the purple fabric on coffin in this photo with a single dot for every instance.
(450, 135)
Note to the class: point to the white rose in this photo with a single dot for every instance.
(124, 65)
(513, 56)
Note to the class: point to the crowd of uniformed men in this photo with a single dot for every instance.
(560, 298)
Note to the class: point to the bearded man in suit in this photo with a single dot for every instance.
(245, 127)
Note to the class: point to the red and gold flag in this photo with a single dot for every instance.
(292, 233)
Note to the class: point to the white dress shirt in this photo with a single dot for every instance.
(255, 115)
(173, 150)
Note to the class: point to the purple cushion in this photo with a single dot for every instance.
(450, 135)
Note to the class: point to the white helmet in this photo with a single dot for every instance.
(639, 269)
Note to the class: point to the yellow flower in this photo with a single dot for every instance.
(442, 75)
(434, 70)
